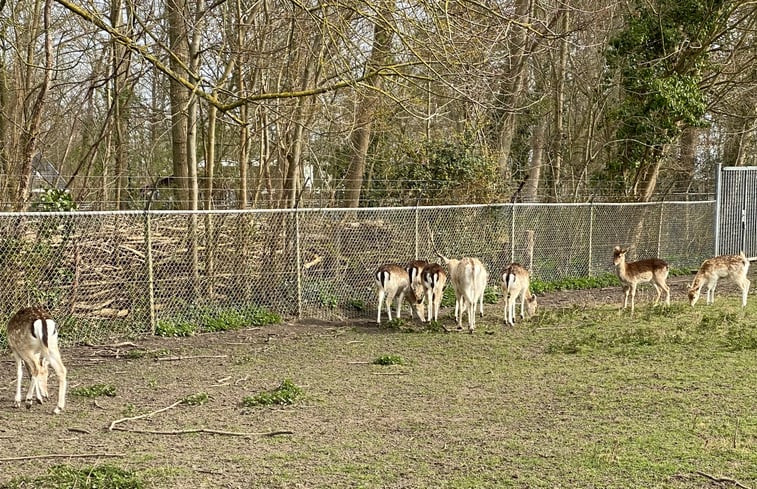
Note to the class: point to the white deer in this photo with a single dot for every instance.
(468, 277)
(33, 339)
(734, 267)
(632, 274)
(516, 284)
(392, 281)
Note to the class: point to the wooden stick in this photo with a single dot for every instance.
(173, 359)
(147, 415)
(722, 479)
(61, 455)
(205, 430)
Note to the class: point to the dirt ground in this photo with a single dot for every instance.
(217, 444)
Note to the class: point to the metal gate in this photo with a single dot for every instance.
(736, 211)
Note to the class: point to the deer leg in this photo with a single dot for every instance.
(19, 377)
(60, 372)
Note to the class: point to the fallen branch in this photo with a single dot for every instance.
(206, 430)
(722, 479)
(147, 415)
(192, 357)
(62, 455)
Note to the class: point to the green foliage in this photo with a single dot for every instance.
(574, 283)
(356, 304)
(492, 295)
(214, 320)
(96, 390)
(396, 323)
(196, 399)
(448, 297)
(660, 59)
(436, 169)
(389, 360)
(65, 476)
(55, 200)
(169, 328)
(286, 393)
(226, 320)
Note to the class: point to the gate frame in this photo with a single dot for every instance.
(718, 202)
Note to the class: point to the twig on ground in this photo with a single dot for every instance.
(61, 455)
(191, 357)
(205, 430)
(79, 430)
(722, 479)
(146, 415)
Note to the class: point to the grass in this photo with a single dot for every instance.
(65, 476)
(96, 390)
(286, 393)
(576, 397)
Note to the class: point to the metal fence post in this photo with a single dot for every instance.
(659, 230)
(150, 274)
(718, 196)
(512, 232)
(591, 235)
(298, 259)
(417, 233)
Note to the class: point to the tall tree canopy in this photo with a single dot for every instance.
(245, 103)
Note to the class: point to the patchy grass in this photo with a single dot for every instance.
(578, 396)
(96, 390)
(286, 393)
(389, 360)
(65, 476)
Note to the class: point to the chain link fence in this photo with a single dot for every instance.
(115, 275)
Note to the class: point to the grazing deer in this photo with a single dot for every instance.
(734, 267)
(414, 270)
(516, 284)
(33, 339)
(434, 279)
(632, 274)
(393, 281)
(468, 277)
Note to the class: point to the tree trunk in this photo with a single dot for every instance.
(366, 109)
(120, 68)
(31, 131)
(531, 188)
(511, 88)
(559, 104)
(177, 16)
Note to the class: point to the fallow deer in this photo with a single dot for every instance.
(434, 279)
(516, 285)
(734, 267)
(632, 274)
(33, 339)
(392, 281)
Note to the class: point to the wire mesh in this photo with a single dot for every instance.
(114, 275)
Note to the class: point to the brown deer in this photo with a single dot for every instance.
(734, 267)
(392, 281)
(33, 339)
(516, 283)
(434, 280)
(632, 274)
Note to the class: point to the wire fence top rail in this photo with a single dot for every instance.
(305, 210)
